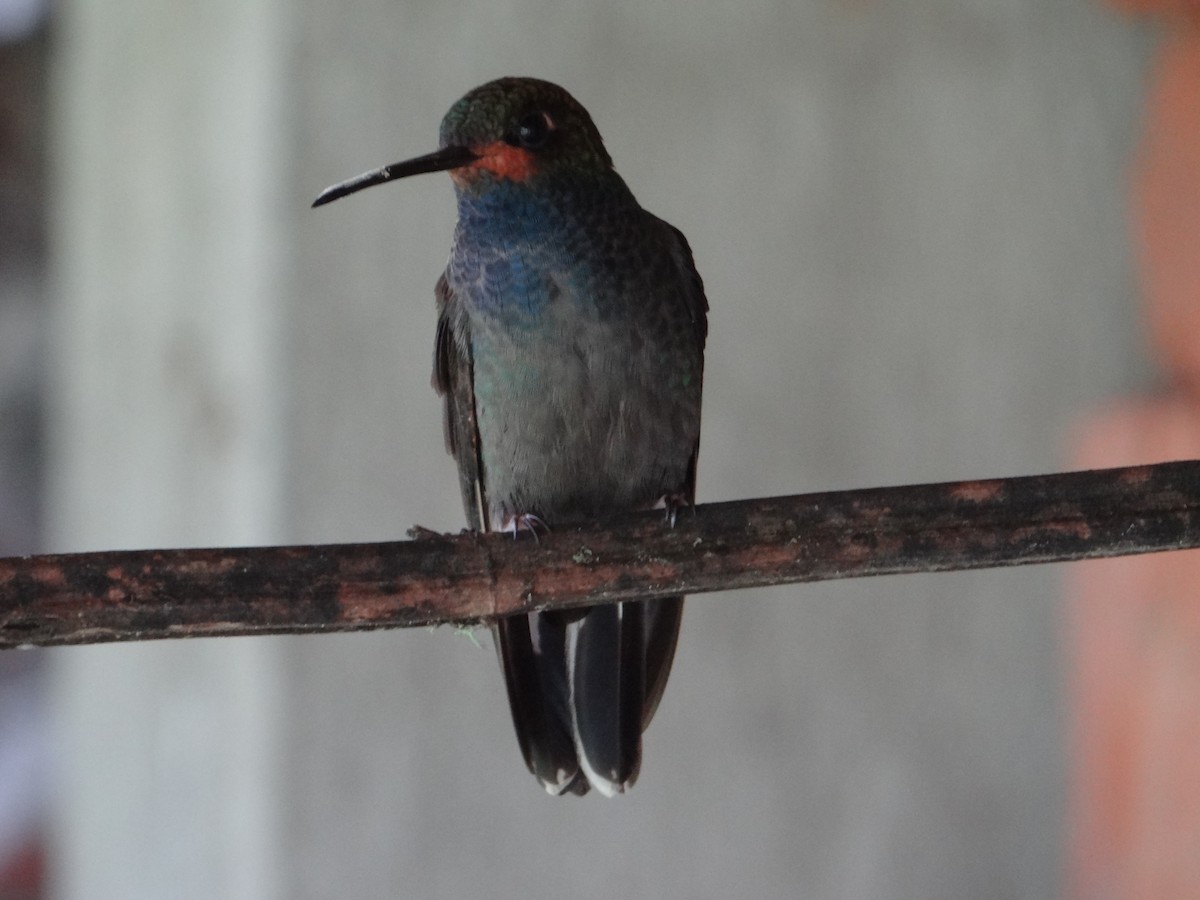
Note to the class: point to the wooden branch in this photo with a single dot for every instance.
(469, 578)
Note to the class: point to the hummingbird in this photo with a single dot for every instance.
(569, 357)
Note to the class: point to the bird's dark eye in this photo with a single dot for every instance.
(533, 130)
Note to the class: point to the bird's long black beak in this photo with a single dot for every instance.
(438, 161)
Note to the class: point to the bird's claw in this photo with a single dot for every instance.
(673, 503)
(519, 522)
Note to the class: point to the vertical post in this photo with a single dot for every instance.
(165, 424)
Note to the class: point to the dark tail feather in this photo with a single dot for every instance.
(583, 686)
(663, 618)
(533, 656)
(608, 691)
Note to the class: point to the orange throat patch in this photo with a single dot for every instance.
(502, 160)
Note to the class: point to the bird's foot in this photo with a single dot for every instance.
(673, 503)
(519, 522)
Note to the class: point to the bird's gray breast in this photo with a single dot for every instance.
(584, 401)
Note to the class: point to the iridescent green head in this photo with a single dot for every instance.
(511, 129)
(519, 128)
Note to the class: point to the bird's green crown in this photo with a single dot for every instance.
(522, 129)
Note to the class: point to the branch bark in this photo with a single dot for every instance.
(470, 578)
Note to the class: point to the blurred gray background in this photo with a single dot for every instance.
(909, 218)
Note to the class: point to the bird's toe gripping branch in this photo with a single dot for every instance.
(673, 503)
(529, 522)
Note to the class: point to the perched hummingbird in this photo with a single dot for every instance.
(569, 355)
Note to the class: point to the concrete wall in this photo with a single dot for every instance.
(909, 221)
